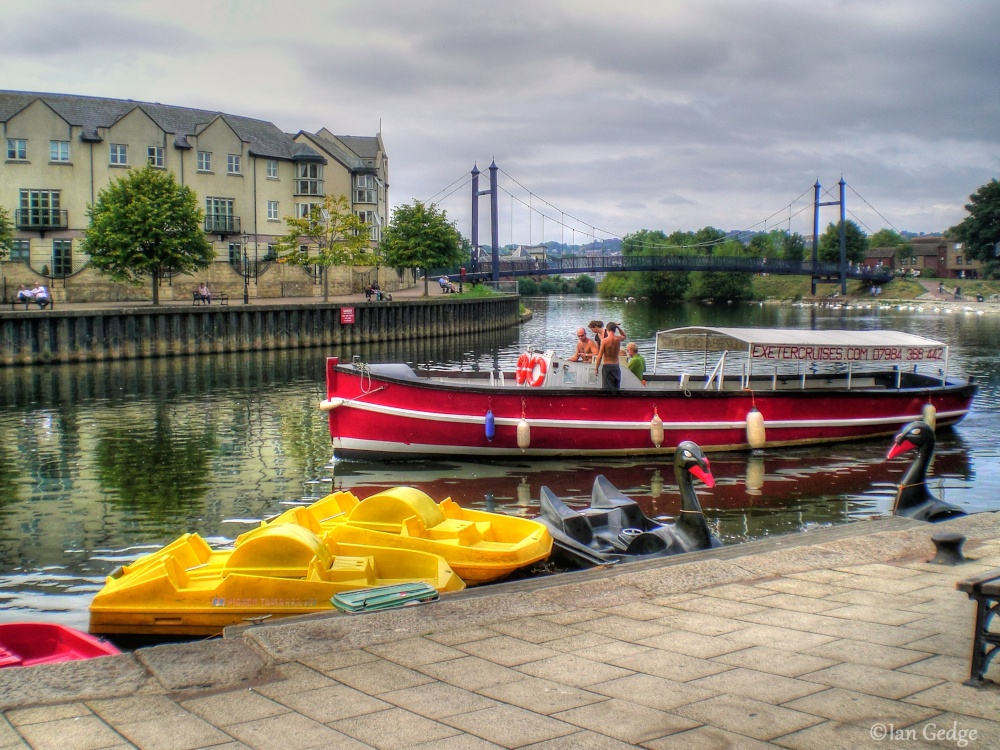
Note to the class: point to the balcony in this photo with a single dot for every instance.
(222, 225)
(41, 219)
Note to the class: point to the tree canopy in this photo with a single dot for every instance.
(420, 236)
(143, 225)
(6, 233)
(829, 243)
(980, 230)
(330, 235)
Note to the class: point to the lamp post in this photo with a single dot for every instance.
(245, 238)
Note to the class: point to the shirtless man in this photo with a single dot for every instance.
(585, 348)
(611, 345)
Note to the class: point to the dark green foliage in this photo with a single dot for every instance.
(527, 287)
(719, 285)
(856, 241)
(421, 236)
(794, 247)
(144, 224)
(585, 284)
(6, 233)
(980, 230)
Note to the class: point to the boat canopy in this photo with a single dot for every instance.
(796, 345)
(801, 348)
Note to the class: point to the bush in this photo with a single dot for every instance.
(585, 284)
(527, 287)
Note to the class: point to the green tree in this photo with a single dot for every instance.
(829, 243)
(980, 230)
(145, 224)
(794, 247)
(6, 233)
(330, 235)
(659, 286)
(527, 286)
(420, 236)
(886, 238)
(723, 285)
(585, 284)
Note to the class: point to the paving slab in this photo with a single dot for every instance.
(541, 696)
(626, 721)
(394, 729)
(510, 726)
(747, 716)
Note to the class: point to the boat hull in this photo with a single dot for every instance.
(26, 644)
(187, 588)
(387, 417)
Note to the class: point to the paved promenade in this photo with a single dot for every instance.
(841, 637)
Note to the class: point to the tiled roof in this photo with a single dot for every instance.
(90, 113)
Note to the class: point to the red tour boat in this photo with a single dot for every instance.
(723, 388)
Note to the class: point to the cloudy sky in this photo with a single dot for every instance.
(608, 116)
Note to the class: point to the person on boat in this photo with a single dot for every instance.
(40, 295)
(611, 346)
(636, 362)
(585, 348)
(203, 294)
(601, 332)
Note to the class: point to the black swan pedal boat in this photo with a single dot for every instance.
(913, 498)
(726, 389)
(614, 529)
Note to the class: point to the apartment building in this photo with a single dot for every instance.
(62, 150)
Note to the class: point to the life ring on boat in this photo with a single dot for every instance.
(523, 368)
(537, 370)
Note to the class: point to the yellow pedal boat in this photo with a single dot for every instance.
(479, 546)
(187, 588)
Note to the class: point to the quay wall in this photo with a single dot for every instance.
(67, 336)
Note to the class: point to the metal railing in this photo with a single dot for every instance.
(41, 218)
(222, 224)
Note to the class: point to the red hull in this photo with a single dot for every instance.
(25, 644)
(381, 416)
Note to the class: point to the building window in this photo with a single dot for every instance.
(40, 208)
(119, 155)
(374, 223)
(155, 156)
(310, 179)
(58, 150)
(272, 252)
(958, 260)
(17, 149)
(204, 161)
(272, 169)
(219, 217)
(365, 188)
(272, 210)
(62, 258)
(304, 210)
(233, 164)
(235, 254)
(20, 250)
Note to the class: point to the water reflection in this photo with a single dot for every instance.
(100, 463)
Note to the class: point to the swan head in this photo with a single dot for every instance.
(913, 436)
(691, 459)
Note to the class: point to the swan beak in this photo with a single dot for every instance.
(704, 475)
(900, 447)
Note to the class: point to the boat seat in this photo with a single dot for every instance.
(574, 524)
(283, 551)
(395, 506)
(7, 659)
(344, 568)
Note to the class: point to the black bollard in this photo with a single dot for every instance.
(949, 548)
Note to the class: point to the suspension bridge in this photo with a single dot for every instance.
(492, 266)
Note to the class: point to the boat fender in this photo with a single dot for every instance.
(523, 434)
(491, 426)
(523, 368)
(929, 415)
(330, 404)
(755, 429)
(656, 430)
(537, 370)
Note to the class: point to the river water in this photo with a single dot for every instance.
(101, 463)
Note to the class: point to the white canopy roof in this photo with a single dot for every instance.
(798, 345)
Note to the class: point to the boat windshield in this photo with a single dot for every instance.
(785, 351)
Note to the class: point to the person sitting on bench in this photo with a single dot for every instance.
(40, 295)
(203, 295)
(24, 295)
(446, 285)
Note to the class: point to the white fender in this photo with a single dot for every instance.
(929, 415)
(755, 429)
(330, 404)
(523, 434)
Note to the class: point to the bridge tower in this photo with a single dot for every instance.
(494, 219)
(843, 237)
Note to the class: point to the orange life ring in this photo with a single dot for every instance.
(542, 368)
(523, 368)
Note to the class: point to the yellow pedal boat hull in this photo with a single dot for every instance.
(479, 546)
(187, 588)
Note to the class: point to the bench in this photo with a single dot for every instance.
(14, 302)
(984, 590)
(222, 299)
